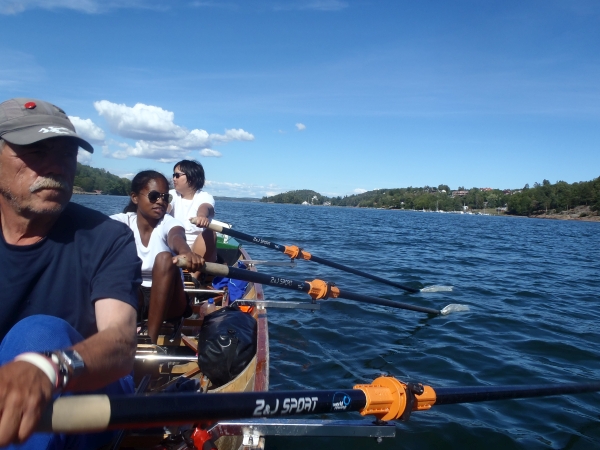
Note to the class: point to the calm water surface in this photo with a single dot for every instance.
(532, 287)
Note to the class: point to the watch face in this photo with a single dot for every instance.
(74, 360)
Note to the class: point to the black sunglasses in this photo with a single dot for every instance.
(178, 174)
(153, 196)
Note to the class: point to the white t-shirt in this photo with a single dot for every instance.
(183, 209)
(156, 244)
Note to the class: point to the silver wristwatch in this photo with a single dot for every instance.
(70, 364)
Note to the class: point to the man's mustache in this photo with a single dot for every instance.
(50, 183)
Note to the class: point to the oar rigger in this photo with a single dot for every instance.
(390, 399)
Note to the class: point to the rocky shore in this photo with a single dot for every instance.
(582, 213)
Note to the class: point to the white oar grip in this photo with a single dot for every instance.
(219, 270)
(77, 413)
(215, 227)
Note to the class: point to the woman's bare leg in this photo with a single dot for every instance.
(205, 245)
(167, 297)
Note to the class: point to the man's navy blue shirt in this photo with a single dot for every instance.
(85, 257)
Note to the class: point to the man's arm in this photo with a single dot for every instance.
(108, 354)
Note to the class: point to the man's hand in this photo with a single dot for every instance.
(25, 390)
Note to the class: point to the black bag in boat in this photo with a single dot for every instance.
(226, 344)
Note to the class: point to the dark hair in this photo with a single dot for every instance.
(194, 173)
(139, 182)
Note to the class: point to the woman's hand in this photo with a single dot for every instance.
(200, 221)
(189, 260)
(203, 215)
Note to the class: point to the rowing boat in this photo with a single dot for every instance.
(233, 414)
(174, 358)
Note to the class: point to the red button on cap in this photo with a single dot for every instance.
(30, 105)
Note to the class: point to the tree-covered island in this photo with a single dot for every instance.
(541, 198)
(99, 181)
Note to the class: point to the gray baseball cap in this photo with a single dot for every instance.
(24, 121)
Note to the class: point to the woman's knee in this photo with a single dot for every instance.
(163, 262)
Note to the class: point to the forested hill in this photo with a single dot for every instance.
(90, 179)
(297, 197)
(542, 197)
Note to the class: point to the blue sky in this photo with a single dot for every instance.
(331, 95)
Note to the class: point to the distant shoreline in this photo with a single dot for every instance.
(580, 213)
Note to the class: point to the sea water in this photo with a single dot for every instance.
(532, 287)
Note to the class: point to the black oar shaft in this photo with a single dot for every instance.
(448, 396)
(247, 237)
(360, 273)
(282, 248)
(386, 302)
(287, 283)
(189, 408)
(69, 414)
(255, 277)
(385, 398)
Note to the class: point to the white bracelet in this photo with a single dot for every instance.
(41, 362)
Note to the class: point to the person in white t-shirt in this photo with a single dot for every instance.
(189, 201)
(159, 239)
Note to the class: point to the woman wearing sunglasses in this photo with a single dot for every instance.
(159, 238)
(189, 200)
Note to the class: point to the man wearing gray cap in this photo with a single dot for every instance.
(68, 279)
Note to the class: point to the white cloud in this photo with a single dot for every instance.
(214, 4)
(232, 135)
(316, 5)
(300, 126)
(83, 6)
(158, 137)
(209, 152)
(88, 129)
(84, 157)
(109, 151)
(140, 121)
(359, 191)
(227, 189)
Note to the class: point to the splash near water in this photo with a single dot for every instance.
(454, 307)
(437, 289)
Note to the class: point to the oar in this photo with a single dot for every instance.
(317, 289)
(386, 398)
(296, 252)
